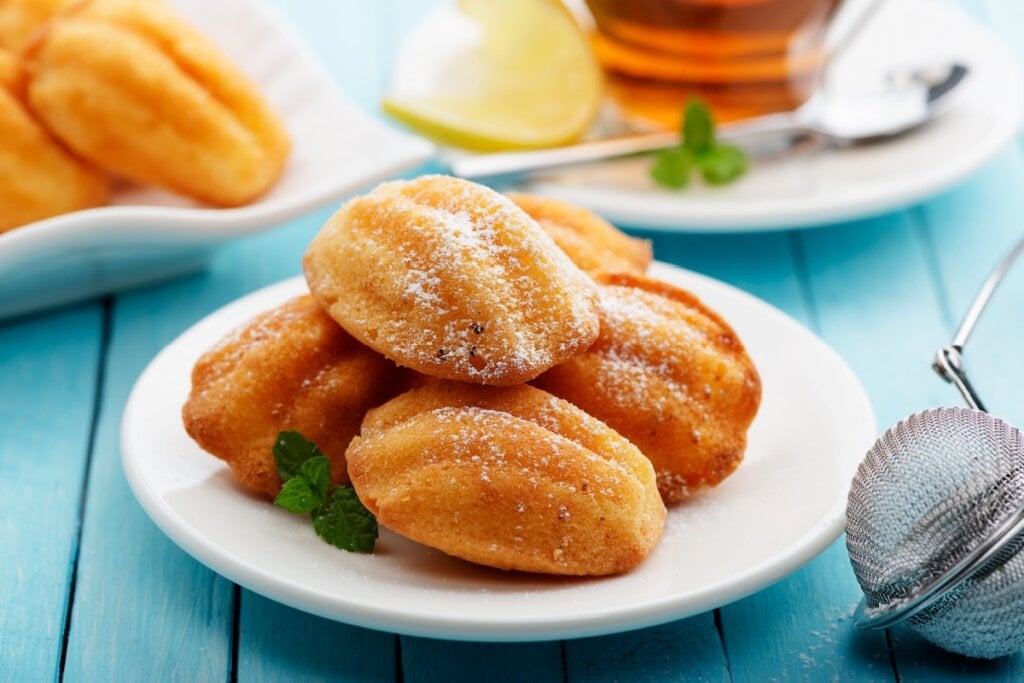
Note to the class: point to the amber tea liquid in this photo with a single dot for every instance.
(744, 57)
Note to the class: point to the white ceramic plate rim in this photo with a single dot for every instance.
(497, 627)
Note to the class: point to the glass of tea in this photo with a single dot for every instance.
(743, 57)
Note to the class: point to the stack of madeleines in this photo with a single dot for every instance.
(95, 89)
(494, 375)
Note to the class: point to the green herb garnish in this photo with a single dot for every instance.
(698, 128)
(291, 450)
(342, 521)
(298, 496)
(717, 164)
(672, 167)
(723, 164)
(338, 516)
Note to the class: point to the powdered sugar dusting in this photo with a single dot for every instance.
(476, 289)
(636, 353)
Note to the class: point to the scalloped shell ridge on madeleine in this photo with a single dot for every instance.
(453, 280)
(291, 368)
(668, 374)
(509, 477)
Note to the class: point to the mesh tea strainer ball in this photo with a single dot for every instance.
(935, 518)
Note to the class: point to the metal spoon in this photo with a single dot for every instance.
(913, 97)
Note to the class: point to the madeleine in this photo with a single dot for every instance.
(509, 477)
(38, 177)
(291, 368)
(671, 376)
(453, 280)
(134, 89)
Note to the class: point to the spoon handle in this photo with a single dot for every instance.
(504, 163)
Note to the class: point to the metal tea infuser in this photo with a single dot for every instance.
(935, 517)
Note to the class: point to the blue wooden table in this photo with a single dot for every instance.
(91, 590)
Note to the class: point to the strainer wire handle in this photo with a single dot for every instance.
(949, 359)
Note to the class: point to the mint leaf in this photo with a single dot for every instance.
(698, 127)
(723, 164)
(297, 496)
(291, 450)
(718, 164)
(671, 168)
(317, 473)
(344, 522)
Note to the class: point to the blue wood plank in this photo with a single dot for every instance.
(141, 604)
(878, 306)
(425, 660)
(799, 629)
(48, 373)
(968, 232)
(684, 650)
(277, 643)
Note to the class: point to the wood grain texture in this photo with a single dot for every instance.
(140, 603)
(684, 650)
(425, 660)
(48, 375)
(278, 643)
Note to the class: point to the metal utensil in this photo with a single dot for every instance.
(935, 518)
(912, 97)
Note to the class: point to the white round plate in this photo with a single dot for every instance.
(811, 188)
(783, 506)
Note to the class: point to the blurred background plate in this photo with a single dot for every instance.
(813, 427)
(148, 234)
(810, 187)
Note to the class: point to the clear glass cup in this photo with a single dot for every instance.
(743, 57)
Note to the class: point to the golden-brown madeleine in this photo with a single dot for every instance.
(291, 368)
(453, 280)
(20, 20)
(590, 241)
(509, 477)
(12, 75)
(38, 177)
(671, 376)
(133, 88)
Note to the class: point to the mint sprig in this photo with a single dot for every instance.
(338, 515)
(698, 150)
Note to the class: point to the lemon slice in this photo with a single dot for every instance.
(497, 74)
